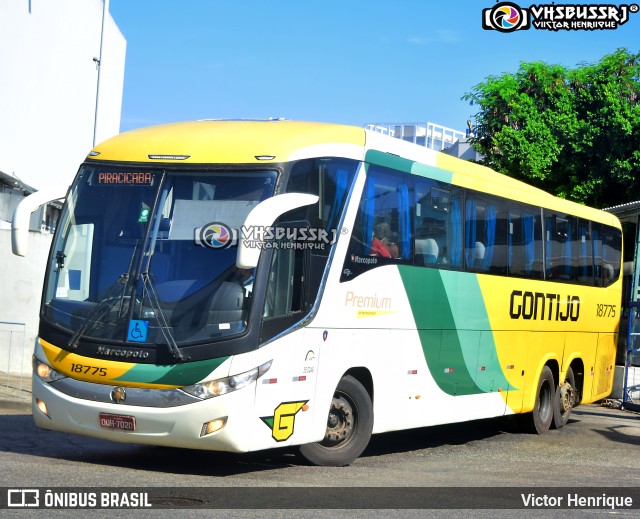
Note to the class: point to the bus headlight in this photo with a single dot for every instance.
(46, 372)
(226, 385)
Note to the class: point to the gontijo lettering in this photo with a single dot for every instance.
(125, 178)
(544, 307)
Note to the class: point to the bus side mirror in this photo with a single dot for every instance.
(22, 215)
(261, 216)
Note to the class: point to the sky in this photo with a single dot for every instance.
(350, 61)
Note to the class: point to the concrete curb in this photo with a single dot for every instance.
(9, 406)
(15, 393)
(11, 402)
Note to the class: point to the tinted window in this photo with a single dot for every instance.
(438, 224)
(382, 229)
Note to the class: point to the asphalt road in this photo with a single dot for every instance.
(598, 449)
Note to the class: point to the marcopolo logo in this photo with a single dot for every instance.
(218, 235)
(509, 17)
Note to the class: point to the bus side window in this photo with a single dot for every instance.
(292, 284)
(283, 303)
(611, 255)
(584, 256)
(438, 224)
(382, 228)
(331, 180)
(485, 234)
(560, 237)
(284, 285)
(384, 216)
(525, 242)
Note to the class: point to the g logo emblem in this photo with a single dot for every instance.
(283, 420)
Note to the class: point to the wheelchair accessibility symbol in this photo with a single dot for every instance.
(138, 331)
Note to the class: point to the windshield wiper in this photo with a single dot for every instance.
(101, 310)
(165, 327)
(142, 272)
(106, 304)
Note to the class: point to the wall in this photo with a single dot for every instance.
(48, 89)
(48, 84)
(20, 300)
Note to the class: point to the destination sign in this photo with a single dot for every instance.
(124, 178)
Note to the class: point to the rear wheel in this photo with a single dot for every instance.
(565, 400)
(540, 419)
(349, 427)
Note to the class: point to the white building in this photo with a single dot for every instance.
(48, 86)
(433, 136)
(52, 54)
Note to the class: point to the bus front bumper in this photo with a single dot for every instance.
(181, 426)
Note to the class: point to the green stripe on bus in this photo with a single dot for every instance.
(175, 375)
(408, 166)
(474, 329)
(424, 170)
(454, 330)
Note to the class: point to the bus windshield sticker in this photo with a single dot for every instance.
(144, 215)
(138, 330)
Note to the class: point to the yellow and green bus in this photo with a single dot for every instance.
(244, 285)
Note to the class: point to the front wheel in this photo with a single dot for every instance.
(565, 400)
(349, 427)
(540, 419)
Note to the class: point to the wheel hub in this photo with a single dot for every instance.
(566, 397)
(340, 423)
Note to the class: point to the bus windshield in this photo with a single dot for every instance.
(143, 256)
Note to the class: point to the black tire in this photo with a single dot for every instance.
(566, 395)
(539, 421)
(349, 427)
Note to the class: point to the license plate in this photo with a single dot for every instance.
(116, 421)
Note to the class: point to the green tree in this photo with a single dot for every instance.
(572, 132)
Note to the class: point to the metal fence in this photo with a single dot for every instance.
(14, 369)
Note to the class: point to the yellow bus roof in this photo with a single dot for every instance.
(224, 142)
(242, 142)
(484, 179)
